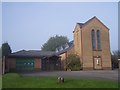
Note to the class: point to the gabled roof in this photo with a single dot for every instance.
(83, 24)
(33, 53)
(98, 21)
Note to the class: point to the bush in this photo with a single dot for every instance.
(114, 58)
(73, 62)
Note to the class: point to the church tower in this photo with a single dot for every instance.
(92, 44)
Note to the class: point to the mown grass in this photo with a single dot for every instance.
(12, 80)
(0, 81)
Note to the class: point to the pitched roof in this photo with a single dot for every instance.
(33, 53)
(98, 21)
(66, 49)
(83, 24)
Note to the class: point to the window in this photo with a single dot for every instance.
(56, 50)
(66, 46)
(93, 39)
(98, 40)
(61, 48)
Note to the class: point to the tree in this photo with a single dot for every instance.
(54, 42)
(73, 62)
(6, 50)
(0, 52)
(114, 58)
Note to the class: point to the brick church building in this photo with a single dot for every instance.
(91, 43)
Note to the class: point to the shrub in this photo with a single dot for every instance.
(73, 62)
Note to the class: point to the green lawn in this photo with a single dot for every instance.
(12, 80)
(0, 81)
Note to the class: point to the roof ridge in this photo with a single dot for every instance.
(97, 19)
(90, 20)
(83, 24)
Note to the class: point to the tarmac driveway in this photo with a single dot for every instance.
(94, 74)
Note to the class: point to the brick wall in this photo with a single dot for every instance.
(77, 40)
(70, 51)
(37, 64)
(64, 56)
(83, 44)
(10, 64)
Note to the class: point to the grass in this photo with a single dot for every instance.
(13, 80)
(0, 81)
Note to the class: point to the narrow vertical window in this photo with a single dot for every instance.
(98, 40)
(93, 39)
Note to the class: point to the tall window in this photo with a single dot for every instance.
(98, 40)
(93, 39)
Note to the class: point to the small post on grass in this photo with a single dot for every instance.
(60, 80)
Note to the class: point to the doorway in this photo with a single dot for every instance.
(97, 63)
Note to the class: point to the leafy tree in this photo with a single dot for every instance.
(0, 52)
(54, 42)
(5, 49)
(73, 62)
(114, 58)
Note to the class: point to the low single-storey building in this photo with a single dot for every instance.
(32, 60)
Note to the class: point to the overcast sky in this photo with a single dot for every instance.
(29, 25)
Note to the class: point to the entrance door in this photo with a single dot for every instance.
(97, 63)
(24, 64)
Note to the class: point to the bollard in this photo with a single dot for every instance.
(60, 80)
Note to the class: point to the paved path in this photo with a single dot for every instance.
(96, 74)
